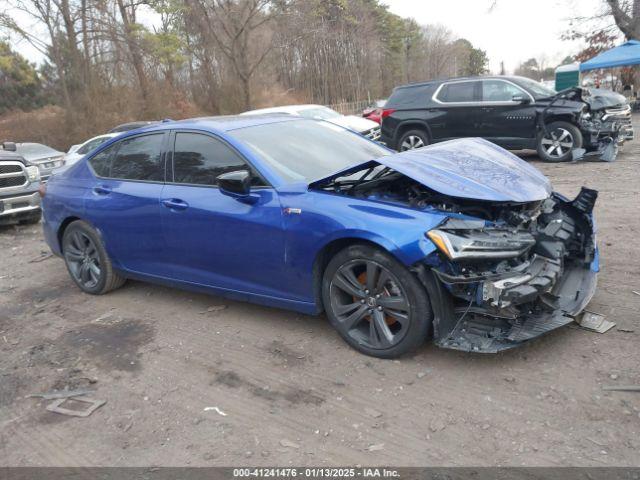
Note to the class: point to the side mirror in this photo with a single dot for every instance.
(235, 184)
(73, 148)
(522, 99)
(9, 146)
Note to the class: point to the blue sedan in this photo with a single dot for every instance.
(460, 241)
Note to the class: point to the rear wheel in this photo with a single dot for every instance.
(557, 142)
(375, 303)
(87, 260)
(413, 139)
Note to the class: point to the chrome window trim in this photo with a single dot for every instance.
(435, 98)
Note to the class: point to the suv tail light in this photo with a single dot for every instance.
(385, 112)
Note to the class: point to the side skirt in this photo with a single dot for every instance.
(307, 308)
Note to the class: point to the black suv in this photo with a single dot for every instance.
(513, 112)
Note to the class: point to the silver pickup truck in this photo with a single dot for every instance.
(19, 183)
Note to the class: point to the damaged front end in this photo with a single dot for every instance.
(603, 134)
(605, 122)
(498, 284)
(509, 259)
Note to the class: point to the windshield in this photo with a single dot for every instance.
(320, 113)
(305, 150)
(537, 89)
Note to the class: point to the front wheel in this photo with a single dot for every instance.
(376, 304)
(557, 142)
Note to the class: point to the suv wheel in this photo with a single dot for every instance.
(87, 260)
(376, 304)
(412, 139)
(556, 144)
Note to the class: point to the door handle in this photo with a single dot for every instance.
(175, 204)
(102, 190)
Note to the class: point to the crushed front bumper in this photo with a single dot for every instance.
(489, 310)
(480, 332)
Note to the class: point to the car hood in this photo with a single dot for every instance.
(42, 158)
(352, 122)
(470, 168)
(599, 99)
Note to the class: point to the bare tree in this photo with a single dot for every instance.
(626, 14)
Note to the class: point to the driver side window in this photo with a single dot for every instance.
(199, 159)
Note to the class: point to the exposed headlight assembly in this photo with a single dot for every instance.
(481, 244)
(33, 173)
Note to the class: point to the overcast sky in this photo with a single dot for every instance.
(513, 31)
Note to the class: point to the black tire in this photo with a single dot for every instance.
(550, 144)
(385, 317)
(87, 261)
(413, 139)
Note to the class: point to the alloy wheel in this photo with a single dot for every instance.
(557, 142)
(83, 259)
(411, 142)
(370, 304)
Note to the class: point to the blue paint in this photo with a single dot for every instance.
(259, 251)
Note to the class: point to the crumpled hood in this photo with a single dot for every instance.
(600, 98)
(472, 168)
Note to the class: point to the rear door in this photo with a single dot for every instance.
(213, 239)
(458, 111)
(506, 121)
(124, 200)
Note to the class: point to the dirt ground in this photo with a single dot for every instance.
(289, 391)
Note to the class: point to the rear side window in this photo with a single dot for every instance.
(101, 163)
(139, 158)
(198, 160)
(458, 92)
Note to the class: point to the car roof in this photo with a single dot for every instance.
(224, 123)
(284, 108)
(125, 127)
(458, 79)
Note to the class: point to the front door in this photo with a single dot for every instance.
(213, 239)
(503, 120)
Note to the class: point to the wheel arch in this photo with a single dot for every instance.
(407, 125)
(561, 117)
(330, 249)
(63, 226)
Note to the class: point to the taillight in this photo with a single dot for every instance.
(42, 189)
(386, 112)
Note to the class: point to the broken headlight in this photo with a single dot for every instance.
(480, 244)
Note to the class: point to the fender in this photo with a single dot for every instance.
(420, 123)
(406, 254)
